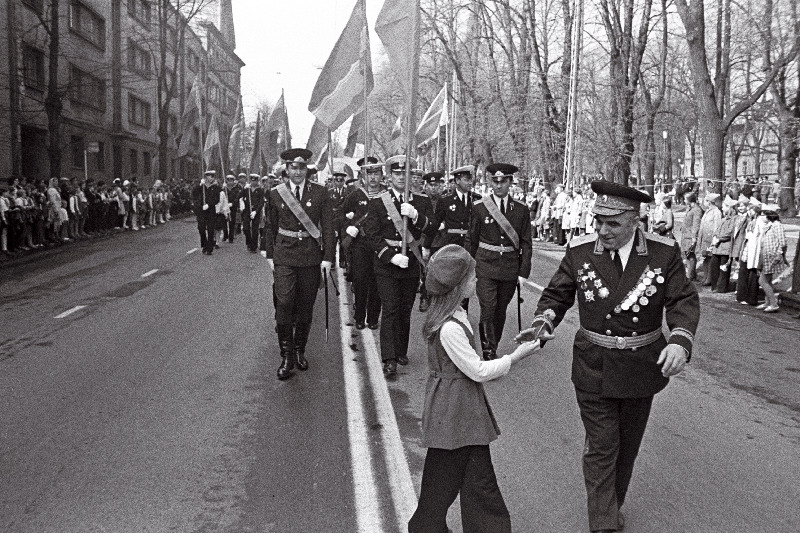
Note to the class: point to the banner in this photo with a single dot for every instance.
(396, 26)
(255, 155)
(235, 141)
(191, 116)
(355, 134)
(347, 74)
(318, 138)
(435, 116)
(212, 143)
(276, 135)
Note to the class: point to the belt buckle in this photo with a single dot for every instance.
(621, 343)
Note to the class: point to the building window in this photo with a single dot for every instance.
(36, 5)
(141, 11)
(86, 89)
(138, 111)
(134, 162)
(101, 156)
(76, 143)
(138, 59)
(147, 163)
(33, 67)
(87, 24)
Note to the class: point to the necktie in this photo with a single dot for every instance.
(297, 193)
(617, 262)
(466, 201)
(503, 206)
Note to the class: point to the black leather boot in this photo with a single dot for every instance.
(286, 344)
(300, 339)
(488, 343)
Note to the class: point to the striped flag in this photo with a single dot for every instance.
(428, 128)
(235, 141)
(212, 142)
(355, 134)
(255, 155)
(191, 116)
(318, 138)
(396, 139)
(396, 26)
(347, 75)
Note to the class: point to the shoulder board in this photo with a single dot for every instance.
(658, 238)
(478, 202)
(275, 188)
(583, 239)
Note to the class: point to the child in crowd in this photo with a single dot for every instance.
(457, 422)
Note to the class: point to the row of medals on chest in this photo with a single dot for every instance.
(639, 296)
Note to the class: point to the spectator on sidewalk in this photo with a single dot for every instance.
(709, 224)
(747, 284)
(690, 233)
(772, 257)
(720, 267)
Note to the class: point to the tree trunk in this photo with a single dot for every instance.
(788, 132)
(52, 102)
(712, 139)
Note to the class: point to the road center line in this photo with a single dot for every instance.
(70, 311)
(149, 273)
(193, 250)
(366, 499)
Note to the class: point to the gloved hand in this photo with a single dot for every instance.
(400, 260)
(441, 226)
(408, 210)
(205, 207)
(252, 215)
(521, 280)
(350, 215)
(352, 231)
(325, 266)
(426, 253)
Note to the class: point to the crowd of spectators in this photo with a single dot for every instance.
(41, 214)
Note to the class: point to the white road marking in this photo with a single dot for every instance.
(149, 273)
(403, 494)
(70, 311)
(193, 250)
(366, 499)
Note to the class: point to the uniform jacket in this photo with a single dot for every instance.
(378, 227)
(305, 252)
(211, 198)
(234, 193)
(256, 196)
(337, 198)
(357, 202)
(587, 271)
(452, 212)
(494, 265)
(691, 228)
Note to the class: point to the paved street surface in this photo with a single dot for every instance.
(139, 395)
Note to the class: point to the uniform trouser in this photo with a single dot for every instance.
(295, 290)
(494, 296)
(205, 225)
(467, 470)
(397, 301)
(365, 285)
(232, 226)
(614, 430)
(251, 231)
(747, 284)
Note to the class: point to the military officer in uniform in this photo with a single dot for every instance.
(397, 275)
(205, 198)
(251, 202)
(625, 280)
(433, 187)
(300, 242)
(367, 308)
(338, 193)
(499, 239)
(234, 190)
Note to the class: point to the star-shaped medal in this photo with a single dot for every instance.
(603, 292)
(592, 274)
(589, 296)
(586, 266)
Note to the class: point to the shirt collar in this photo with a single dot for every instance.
(461, 315)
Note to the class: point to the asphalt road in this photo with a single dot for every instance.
(155, 408)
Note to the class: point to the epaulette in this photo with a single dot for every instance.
(583, 239)
(276, 186)
(478, 202)
(660, 238)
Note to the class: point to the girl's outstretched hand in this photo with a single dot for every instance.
(524, 350)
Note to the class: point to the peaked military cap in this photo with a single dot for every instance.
(296, 155)
(433, 177)
(500, 170)
(466, 170)
(210, 173)
(242, 174)
(255, 176)
(368, 161)
(398, 162)
(614, 198)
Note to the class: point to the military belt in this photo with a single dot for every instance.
(496, 247)
(621, 343)
(295, 234)
(458, 231)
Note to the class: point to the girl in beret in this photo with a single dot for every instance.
(457, 422)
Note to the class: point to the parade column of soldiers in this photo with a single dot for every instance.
(499, 239)
(300, 248)
(205, 197)
(234, 193)
(367, 308)
(251, 203)
(398, 275)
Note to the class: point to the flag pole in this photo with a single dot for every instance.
(330, 153)
(366, 96)
(412, 110)
(202, 127)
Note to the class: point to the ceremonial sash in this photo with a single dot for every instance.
(394, 214)
(298, 211)
(501, 220)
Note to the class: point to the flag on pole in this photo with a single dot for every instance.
(191, 116)
(428, 128)
(355, 134)
(255, 155)
(275, 134)
(396, 25)
(339, 91)
(235, 141)
(396, 138)
(318, 137)
(212, 142)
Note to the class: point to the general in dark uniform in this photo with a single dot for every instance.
(205, 198)
(251, 201)
(499, 239)
(361, 256)
(397, 275)
(300, 242)
(624, 280)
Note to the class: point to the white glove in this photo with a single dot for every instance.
(521, 280)
(271, 264)
(325, 266)
(426, 253)
(352, 231)
(408, 210)
(350, 215)
(441, 226)
(205, 207)
(252, 215)
(246, 185)
(400, 260)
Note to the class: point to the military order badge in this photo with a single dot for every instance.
(589, 281)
